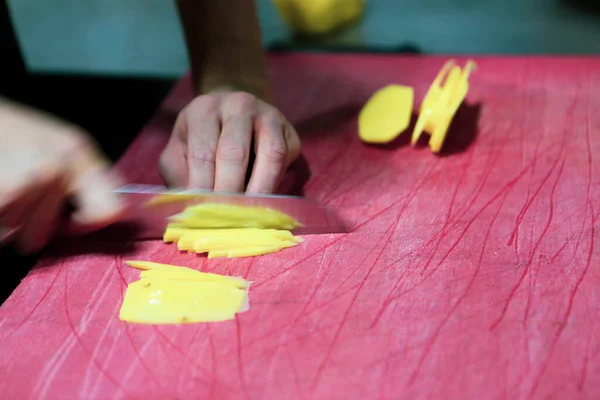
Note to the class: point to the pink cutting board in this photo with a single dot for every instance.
(473, 275)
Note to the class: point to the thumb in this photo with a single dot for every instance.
(92, 190)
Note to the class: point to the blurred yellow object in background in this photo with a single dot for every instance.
(318, 17)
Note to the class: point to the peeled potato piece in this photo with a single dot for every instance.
(180, 302)
(442, 102)
(217, 215)
(168, 294)
(250, 251)
(224, 230)
(162, 199)
(152, 269)
(236, 242)
(174, 234)
(386, 115)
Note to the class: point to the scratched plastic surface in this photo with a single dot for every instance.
(469, 276)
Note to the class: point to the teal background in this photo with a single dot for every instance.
(143, 37)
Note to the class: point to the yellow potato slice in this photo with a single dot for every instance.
(173, 233)
(442, 102)
(386, 115)
(169, 294)
(190, 235)
(180, 302)
(218, 241)
(222, 229)
(244, 252)
(152, 269)
(169, 198)
(250, 251)
(219, 216)
(202, 245)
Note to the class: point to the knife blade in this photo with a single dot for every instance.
(150, 207)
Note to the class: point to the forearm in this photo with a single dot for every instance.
(224, 45)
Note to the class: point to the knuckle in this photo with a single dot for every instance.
(230, 152)
(203, 156)
(271, 116)
(275, 151)
(203, 105)
(242, 98)
(241, 103)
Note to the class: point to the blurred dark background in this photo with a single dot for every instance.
(133, 50)
(81, 52)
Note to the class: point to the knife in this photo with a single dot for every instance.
(151, 206)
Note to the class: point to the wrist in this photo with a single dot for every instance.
(241, 67)
(257, 86)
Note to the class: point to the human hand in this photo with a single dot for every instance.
(211, 142)
(44, 163)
